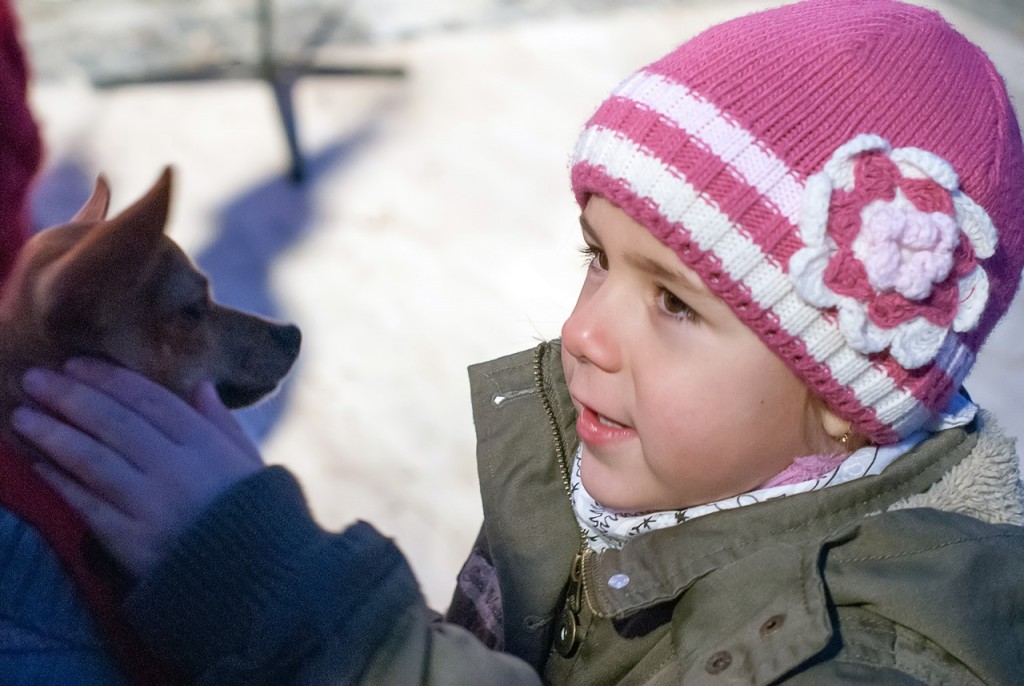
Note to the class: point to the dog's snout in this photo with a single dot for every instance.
(288, 336)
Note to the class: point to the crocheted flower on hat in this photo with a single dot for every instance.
(892, 243)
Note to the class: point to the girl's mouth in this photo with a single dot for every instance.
(596, 429)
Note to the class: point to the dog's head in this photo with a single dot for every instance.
(120, 289)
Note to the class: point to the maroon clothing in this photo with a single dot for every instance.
(20, 146)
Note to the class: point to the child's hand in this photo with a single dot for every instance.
(142, 462)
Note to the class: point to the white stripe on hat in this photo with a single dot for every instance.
(680, 203)
(731, 143)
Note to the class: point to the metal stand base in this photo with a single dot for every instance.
(279, 76)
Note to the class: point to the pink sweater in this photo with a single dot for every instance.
(805, 469)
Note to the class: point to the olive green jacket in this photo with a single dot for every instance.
(912, 576)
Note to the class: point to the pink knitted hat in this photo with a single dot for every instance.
(847, 176)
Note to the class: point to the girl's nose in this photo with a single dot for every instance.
(590, 334)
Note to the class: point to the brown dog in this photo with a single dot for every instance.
(121, 290)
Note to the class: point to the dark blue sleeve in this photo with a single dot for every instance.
(255, 590)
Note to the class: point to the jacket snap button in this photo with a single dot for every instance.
(618, 581)
(772, 624)
(719, 662)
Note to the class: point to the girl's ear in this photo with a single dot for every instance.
(834, 425)
(839, 430)
(827, 432)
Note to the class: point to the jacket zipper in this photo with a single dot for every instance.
(567, 636)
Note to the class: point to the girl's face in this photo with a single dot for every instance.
(679, 403)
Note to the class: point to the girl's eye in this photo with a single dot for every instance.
(595, 257)
(672, 305)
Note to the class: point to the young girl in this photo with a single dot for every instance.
(749, 458)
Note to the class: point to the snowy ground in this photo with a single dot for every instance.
(435, 229)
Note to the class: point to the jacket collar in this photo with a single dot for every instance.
(986, 485)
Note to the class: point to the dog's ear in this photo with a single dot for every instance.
(95, 208)
(106, 265)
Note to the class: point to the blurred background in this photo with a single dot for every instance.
(390, 175)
